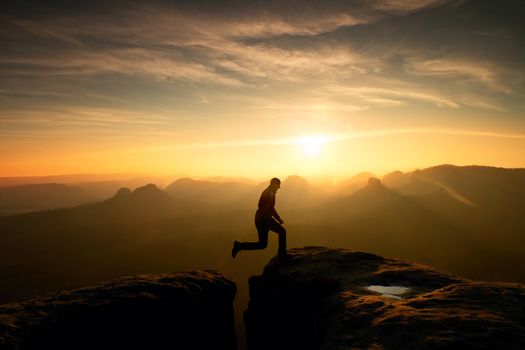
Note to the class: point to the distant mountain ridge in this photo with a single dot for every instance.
(191, 190)
(459, 182)
(422, 220)
(66, 178)
(25, 198)
(354, 183)
(147, 201)
(296, 192)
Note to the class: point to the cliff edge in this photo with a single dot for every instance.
(185, 310)
(339, 299)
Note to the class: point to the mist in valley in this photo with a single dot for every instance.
(463, 220)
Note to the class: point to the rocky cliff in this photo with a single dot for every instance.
(187, 310)
(338, 299)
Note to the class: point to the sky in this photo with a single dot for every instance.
(260, 88)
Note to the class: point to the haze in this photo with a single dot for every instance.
(234, 88)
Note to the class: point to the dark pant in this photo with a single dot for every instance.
(263, 226)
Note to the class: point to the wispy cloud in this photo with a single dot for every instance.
(393, 97)
(136, 61)
(452, 132)
(296, 56)
(201, 43)
(52, 122)
(485, 74)
(406, 6)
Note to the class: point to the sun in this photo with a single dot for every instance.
(312, 144)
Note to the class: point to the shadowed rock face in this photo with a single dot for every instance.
(187, 310)
(319, 300)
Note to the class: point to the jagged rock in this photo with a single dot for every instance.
(144, 202)
(123, 192)
(150, 190)
(374, 181)
(318, 299)
(396, 179)
(186, 310)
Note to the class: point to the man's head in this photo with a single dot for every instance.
(275, 184)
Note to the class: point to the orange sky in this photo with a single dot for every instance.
(260, 89)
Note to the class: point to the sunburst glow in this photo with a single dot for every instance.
(312, 144)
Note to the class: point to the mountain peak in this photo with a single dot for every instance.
(296, 180)
(373, 188)
(185, 180)
(123, 192)
(397, 179)
(150, 192)
(149, 188)
(374, 182)
(361, 177)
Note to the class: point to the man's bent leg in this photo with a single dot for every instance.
(281, 231)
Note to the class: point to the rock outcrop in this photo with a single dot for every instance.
(186, 310)
(123, 192)
(321, 299)
(148, 202)
(374, 182)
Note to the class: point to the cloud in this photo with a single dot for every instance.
(190, 42)
(249, 18)
(269, 46)
(186, 47)
(391, 97)
(129, 61)
(406, 6)
(482, 73)
(53, 121)
(452, 132)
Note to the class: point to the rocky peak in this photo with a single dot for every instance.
(296, 181)
(123, 192)
(339, 299)
(149, 190)
(374, 182)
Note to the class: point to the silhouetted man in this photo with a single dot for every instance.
(266, 219)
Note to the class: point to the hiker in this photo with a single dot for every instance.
(266, 219)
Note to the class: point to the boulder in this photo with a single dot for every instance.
(323, 298)
(186, 310)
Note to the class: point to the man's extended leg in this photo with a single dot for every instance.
(281, 231)
(262, 231)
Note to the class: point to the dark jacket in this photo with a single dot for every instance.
(267, 206)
